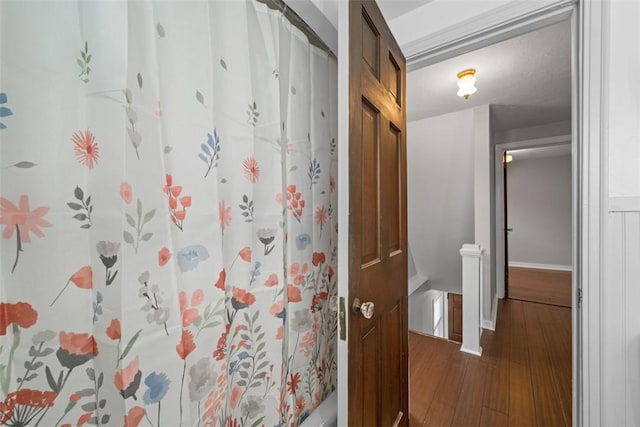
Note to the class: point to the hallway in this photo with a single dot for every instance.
(522, 379)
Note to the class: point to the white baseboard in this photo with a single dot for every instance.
(491, 323)
(474, 352)
(541, 266)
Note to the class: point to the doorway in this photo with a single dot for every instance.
(447, 155)
(536, 222)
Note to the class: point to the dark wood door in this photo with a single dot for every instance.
(378, 369)
(455, 317)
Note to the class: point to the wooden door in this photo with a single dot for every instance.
(455, 317)
(378, 384)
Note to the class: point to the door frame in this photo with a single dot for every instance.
(499, 150)
(589, 29)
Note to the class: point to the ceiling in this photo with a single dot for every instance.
(541, 152)
(526, 79)
(393, 8)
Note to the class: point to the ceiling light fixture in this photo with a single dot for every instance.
(466, 83)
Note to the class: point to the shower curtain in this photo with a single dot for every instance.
(167, 199)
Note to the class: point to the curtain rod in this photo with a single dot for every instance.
(299, 23)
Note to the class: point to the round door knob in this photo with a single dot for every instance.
(364, 308)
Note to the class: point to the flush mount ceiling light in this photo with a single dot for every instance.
(466, 83)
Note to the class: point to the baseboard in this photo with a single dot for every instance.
(474, 352)
(541, 285)
(491, 323)
(541, 266)
(435, 337)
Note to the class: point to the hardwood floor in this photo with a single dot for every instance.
(522, 379)
(539, 285)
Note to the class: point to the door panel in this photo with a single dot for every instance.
(370, 383)
(378, 385)
(370, 171)
(455, 317)
(370, 43)
(393, 155)
(394, 80)
(392, 379)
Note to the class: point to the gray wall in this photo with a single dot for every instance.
(440, 170)
(484, 206)
(539, 209)
(422, 318)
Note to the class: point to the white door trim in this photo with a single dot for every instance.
(588, 120)
(343, 211)
(499, 150)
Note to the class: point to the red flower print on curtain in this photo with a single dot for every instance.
(251, 169)
(83, 279)
(321, 217)
(222, 276)
(113, 331)
(20, 313)
(23, 221)
(127, 380)
(224, 215)
(126, 192)
(76, 349)
(186, 344)
(86, 148)
(134, 416)
(164, 255)
(177, 204)
(184, 349)
(295, 202)
(21, 407)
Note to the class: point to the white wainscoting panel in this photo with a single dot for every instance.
(620, 322)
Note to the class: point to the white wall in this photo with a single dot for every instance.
(440, 187)
(539, 209)
(619, 292)
(427, 311)
(450, 201)
(484, 207)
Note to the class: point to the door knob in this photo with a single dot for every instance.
(510, 229)
(364, 308)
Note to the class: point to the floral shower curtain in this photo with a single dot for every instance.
(167, 199)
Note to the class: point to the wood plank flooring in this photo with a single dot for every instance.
(538, 285)
(523, 377)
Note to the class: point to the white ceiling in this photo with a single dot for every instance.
(541, 152)
(527, 80)
(393, 8)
